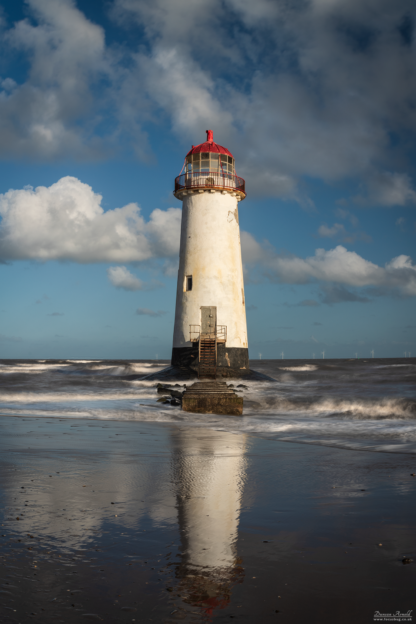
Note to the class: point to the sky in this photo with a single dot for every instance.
(100, 100)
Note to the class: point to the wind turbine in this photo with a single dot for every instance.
(282, 354)
(259, 356)
(356, 355)
(157, 357)
(405, 354)
(372, 352)
(323, 355)
(313, 355)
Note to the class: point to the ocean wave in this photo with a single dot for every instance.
(395, 365)
(306, 367)
(354, 408)
(55, 397)
(117, 370)
(347, 404)
(31, 368)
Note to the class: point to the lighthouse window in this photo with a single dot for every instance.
(188, 282)
(214, 162)
(207, 161)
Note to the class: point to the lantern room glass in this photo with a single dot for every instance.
(209, 161)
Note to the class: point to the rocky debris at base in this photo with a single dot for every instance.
(169, 390)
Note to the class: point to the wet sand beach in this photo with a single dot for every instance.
(138, 521)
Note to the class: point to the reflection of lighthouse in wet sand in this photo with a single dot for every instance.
(210, 478)
(210, 332)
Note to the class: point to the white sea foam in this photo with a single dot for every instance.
(386, 407)
(30, 368)
(395, 365)
(296, 369)
(83, 361)
(369, 409)
(71, 365)
(54, 397)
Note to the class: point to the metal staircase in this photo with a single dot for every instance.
(207, 358)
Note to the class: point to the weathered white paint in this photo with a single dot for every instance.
(210, 251)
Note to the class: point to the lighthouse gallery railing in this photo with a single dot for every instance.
(220, 335)
(210, 179)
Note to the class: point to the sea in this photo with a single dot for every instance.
(351, 404)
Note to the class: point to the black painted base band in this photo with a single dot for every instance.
(231, 361)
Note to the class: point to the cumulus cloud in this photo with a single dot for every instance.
(331, 118)
(338, 231)
(148, 312)
(388, 189)
(337, 265)
(329, 232)
(342, 213)
(46, 116)
(120, 277)
(334, 116)
(67, 222)
(336, 293)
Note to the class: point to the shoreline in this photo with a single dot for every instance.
(205, 525)
(197, 426)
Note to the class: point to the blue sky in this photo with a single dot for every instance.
(100, 102)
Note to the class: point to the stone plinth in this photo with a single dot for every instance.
(212, 397)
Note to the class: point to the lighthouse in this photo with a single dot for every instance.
(210, 332)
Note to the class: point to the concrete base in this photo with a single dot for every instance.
(172, 374)
(212, 397)
(231, 362)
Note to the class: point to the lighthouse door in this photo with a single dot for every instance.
(208, 343)
(209, 320)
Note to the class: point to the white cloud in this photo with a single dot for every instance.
(66, 222)
(120, 277)
(338, 231)
(342, 213)
(388, 189)
(336, 265)
(329, 232)
(44, 116)
(324, 106)
(331, 118)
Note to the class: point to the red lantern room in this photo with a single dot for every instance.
(209, 167)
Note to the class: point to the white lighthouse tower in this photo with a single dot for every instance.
(210, 333)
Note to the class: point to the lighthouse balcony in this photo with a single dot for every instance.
(220, 335)
(209, 181)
